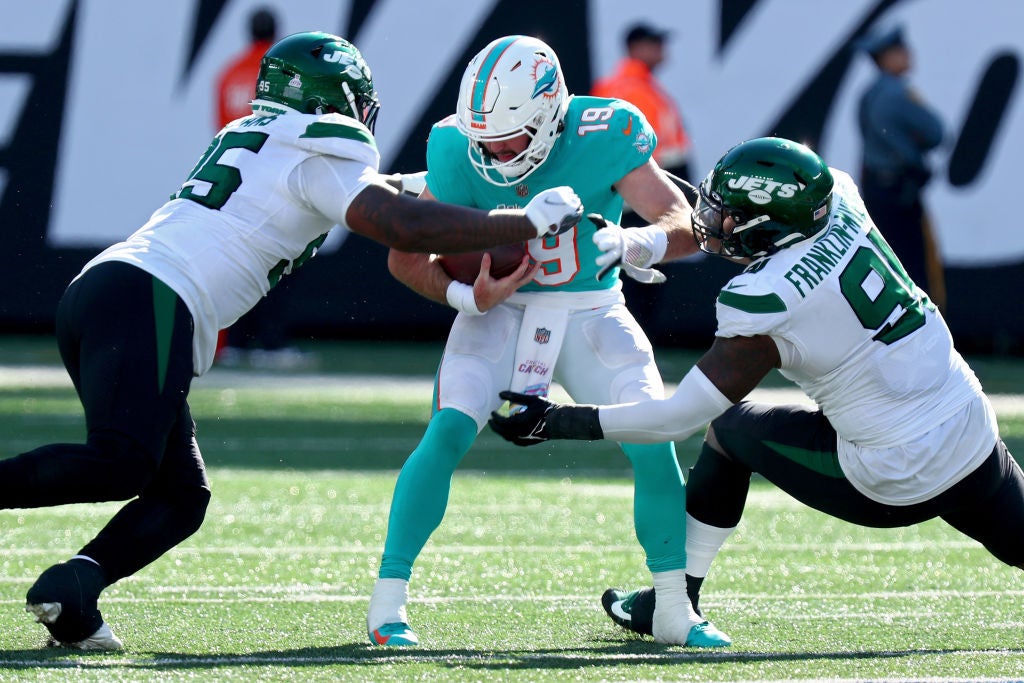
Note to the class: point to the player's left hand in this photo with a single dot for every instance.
(628, 248)
(526, 426)
(489, 291)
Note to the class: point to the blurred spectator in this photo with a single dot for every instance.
(260, 338)
(898, 129)
(633, 80)
(236, 85)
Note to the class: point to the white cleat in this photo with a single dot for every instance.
(103, 639)
(46, 612)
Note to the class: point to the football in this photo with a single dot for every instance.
(465, 267)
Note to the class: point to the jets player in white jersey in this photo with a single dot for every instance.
(902, 431)
(142, 317)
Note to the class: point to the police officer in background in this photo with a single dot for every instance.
(898, 130)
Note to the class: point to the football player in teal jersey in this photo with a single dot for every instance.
(142, 317)
(901, 431)
(515, 133)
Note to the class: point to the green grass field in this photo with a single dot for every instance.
(274, 587)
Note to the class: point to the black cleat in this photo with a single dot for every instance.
(64, 598)
(633, 611)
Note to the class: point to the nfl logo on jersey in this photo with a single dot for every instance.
(542, 335)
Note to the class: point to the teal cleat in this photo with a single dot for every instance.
(706, 635)
(396, 634)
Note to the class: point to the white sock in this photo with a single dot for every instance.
(387, 604)
(703, 542)
(673, 613)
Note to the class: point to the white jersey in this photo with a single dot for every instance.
(872, 351)
(258, 204)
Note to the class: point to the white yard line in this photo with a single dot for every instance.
(572, 660)
(301, 593)
(48, 376)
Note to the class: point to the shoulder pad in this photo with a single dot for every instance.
(329, 134)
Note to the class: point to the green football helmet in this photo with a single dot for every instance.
(777, 191)
(317, 73)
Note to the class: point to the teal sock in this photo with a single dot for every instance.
(659, 504)
(421, 492)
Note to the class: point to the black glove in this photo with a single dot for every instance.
(541, 419)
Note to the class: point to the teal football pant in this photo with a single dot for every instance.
(422, 490)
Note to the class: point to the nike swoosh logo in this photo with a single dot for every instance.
(617, 610)
(629, 127)
(734, 286)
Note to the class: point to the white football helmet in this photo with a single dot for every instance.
(514, 86)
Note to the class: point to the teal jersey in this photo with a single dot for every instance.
(603, 140)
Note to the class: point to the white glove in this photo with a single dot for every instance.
(554, 211)
(634, 249)
(408, 183)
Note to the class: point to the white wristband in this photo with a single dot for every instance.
(660, 243)
(460, 297)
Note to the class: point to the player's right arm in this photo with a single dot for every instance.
(425, 276)
(724, 375)
(354, 194)
(420, 272)
(382, 214)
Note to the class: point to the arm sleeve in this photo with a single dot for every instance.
(695, 402)
(328, 184)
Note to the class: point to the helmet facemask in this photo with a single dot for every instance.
(514, 87)
(516, 169)
(777, 192)
(708, 220)
(364, 107)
